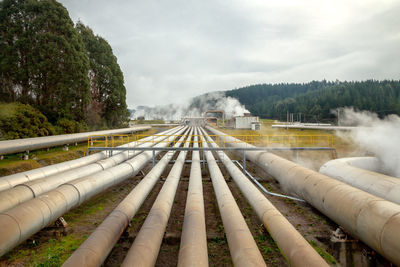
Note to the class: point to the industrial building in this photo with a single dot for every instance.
(247, 122)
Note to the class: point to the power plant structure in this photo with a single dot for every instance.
(350, 192)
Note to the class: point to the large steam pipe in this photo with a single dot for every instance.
(24, 192)
(10, 181)
(99, 244)
(243, 248)
(358, 172)
(7, 182)
(193, 247)
(29, 144)
(145, 248)
(296, 250)
(22, 221)
(373, 220)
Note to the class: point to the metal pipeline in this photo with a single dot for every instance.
(24, 192)
(243, 248)
(99, 244)
(29, 144)
(296, 250)
(359, 172)
(9, 181)
(193, 247)
(262, 188)
(373, 220)
(145, 248)
(20, 222)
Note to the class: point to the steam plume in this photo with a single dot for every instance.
(194, 108)
(379, 136)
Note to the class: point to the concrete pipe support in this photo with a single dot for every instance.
(99, 244)
(243, 248)
(145, 248)
(193, 247)
(22, 221)
(30, 144)
(360, 172)
(24, 192)
(373, 220)
(296, 250)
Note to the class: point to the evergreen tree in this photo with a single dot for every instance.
(42, 59)
(106, 80)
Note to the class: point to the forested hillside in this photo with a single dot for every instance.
(317, 99)
(64, 71)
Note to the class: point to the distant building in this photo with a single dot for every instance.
(247, 122)
(193, 121)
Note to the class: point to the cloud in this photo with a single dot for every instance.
(170, 51)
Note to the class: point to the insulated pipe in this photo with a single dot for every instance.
(145, 248)
(24, 192)
(7, 182)
(243, 248)
(20, 222)
(29, 144)
(358, 172)
(296, 250)
(99, 244)
(373, 220)
(193, 247)
(12, 180)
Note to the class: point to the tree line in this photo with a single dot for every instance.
(317, 100)
(65, 71)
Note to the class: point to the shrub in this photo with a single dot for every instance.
(22, 121)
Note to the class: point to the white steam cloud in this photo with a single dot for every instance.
(194, 108)
(379, 136)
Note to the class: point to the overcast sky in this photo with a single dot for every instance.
(176, 49)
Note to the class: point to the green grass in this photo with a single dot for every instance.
(323, 253)
(53, 253)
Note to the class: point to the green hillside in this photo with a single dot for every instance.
(316, 100)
